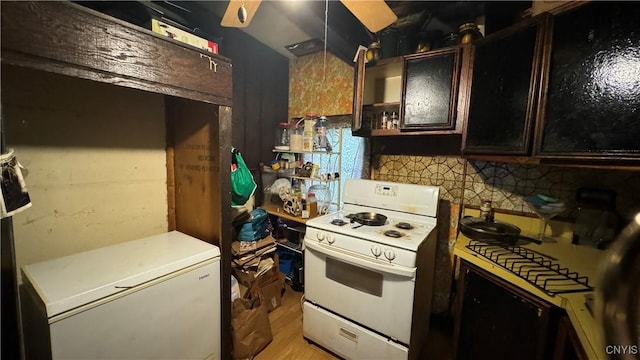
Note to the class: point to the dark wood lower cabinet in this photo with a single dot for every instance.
(496, 320)
(567, 346)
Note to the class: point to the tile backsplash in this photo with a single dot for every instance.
(468, 182)
(465, 182)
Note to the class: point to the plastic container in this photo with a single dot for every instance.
(312, 204)
(285, 263)
(235, 288)
(308, 133)
(295, 139)
(323, 196)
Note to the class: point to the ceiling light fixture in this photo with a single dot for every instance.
(242, 13)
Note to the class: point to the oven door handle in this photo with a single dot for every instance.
(361, 261)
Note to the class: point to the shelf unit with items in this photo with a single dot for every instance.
(289, 232)
(325, 177)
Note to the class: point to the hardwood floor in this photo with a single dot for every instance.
(288, 343)
(286, 326)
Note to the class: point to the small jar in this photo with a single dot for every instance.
(315, 169)
(486, 210)
(373, 52)
(468, 32)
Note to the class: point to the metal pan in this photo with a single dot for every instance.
(369, 218)
(492, 231)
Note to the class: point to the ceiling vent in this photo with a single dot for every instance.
(305, 47)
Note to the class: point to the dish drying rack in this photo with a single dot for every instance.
(537, 269)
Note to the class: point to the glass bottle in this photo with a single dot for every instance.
(282, 136)
(312, 204)
(321, 142)
(394, 120)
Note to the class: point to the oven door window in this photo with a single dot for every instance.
(354, 277)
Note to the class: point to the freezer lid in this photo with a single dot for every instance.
(78, 279)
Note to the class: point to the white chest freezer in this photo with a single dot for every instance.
(152, 298)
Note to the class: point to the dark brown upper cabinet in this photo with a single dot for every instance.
(592, 84)
(430, 90)
(503, 92)
(421, 89)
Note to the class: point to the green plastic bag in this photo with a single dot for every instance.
(242, 183)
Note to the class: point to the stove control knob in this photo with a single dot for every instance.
(320, 236)
(330, 239)
(375, 250)
(389, 254)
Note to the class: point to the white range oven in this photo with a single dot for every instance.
(369, 271)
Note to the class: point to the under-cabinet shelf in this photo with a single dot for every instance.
(297, 248)
(307, 152)
(312, 179)
(383, 105)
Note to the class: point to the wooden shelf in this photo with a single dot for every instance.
(279, 212)
(290, 246)
(307, 152)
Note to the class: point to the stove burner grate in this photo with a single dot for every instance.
(338, 222)
(539, 270)
(404, 226)
(393, 233)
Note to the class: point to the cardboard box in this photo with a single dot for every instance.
(173, 32)
(248, 278)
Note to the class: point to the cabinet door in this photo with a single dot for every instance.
(567, 345)
(357, 128)
(497, 321)
(503, 90)
(592, 108)
(430, 90)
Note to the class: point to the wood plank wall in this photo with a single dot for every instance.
(260, 95)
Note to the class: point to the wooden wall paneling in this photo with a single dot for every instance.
(224, 146)
(260, 97)
(196, 166)
(233, 40)
(268, 119)
(254, 134)
(101, 48)
(171, 176)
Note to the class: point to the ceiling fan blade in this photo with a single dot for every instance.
(232, 16)
(375, 15)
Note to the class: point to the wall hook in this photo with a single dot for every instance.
(212, 64)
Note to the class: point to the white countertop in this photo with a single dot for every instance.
(583, 259)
